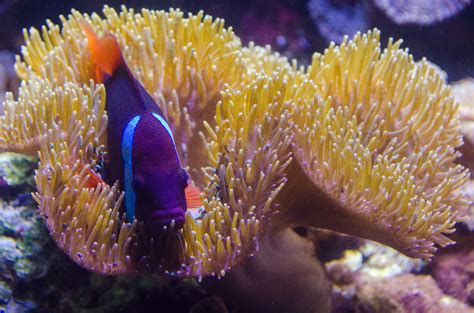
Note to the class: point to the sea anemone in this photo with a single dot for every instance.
(185, 63)
(375, 149)
(270, 145)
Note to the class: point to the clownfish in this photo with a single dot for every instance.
(142, 151)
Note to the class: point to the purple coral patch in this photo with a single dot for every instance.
(336, 18)
(454, 274)
(420, 12)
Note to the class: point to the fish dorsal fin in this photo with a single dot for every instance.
(105, 52)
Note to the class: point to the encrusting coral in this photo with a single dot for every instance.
(373, 134)
(420, 12)
(335, 20)
(377, 278)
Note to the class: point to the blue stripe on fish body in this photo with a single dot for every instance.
(127, 147)
(168, 130)
(165, 125)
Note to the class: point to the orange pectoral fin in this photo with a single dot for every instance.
(105, 51)
(93, 180)
(192, 196)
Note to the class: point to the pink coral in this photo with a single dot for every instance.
(420, 12)
(454, 274)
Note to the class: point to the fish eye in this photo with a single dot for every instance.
(184, 178)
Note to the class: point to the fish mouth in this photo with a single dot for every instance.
(162, 218)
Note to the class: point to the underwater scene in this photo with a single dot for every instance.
(237, 156)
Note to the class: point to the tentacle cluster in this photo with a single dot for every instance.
(380, 138)
(68, 131)
(362, 142)
(249, 150)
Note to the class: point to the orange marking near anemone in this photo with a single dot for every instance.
(192, 196)
(94, 179)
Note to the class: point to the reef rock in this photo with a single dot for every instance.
(405, 293)
(454, 273)
(379, 279)
(23, 257)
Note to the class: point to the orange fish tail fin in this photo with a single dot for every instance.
(105, 52)
(192, 196)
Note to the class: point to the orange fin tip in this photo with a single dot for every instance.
(192, 196)
(105, 51)
(93, 179)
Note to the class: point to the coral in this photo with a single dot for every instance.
(371, 260)
(22, 238)
(454, 273)
(370, 160)
(17, 169)
(23, 241)
(406, 293)
(379, 279)
(16, 176)
(381, 261)
(420, 12)
(263, 139)
(279, 25)
(8, 79)
(336, 19)
(463, 91)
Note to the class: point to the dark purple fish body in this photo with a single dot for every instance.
(142, 154)
(124, 101)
